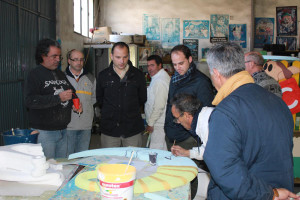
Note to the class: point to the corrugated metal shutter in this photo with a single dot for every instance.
(23, 24)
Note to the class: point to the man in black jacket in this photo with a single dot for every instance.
(48, 97)
(121, 91)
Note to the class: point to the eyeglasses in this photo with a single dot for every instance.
(76, 59)
(175, 120)
(56, 56)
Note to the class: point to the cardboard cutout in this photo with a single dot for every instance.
(289, 86)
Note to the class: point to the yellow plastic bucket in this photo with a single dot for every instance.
(115, 183)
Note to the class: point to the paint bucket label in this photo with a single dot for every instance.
(115, 183)
(116, 190)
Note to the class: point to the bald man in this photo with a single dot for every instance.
(79, 129)
(254, 65)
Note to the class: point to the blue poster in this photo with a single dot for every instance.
(219, 28)
(151, 27)
(204, 52)
(264, 32)
(238, 34)
(170, 28)
(196, 29)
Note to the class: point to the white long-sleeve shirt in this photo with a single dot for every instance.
(202, 131)
(157, 95)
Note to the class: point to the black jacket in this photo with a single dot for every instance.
(197, 84)
(120, 101)
(46, 111)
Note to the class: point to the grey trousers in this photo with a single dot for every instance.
(109, 141)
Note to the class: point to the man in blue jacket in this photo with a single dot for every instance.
(187, 79)
(250, 142)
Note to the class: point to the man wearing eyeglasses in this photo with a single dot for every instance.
(254, 65)
(48, 97)
(79, 129)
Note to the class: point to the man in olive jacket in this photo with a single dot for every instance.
(121, 91)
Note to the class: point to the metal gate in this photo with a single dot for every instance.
(23, 23)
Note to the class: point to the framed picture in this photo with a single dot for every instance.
(286, 21)
(143, 54)
(289, 42)
(264, 32)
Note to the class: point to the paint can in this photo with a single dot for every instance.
(115, 183)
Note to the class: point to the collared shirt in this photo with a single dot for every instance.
(76, 76)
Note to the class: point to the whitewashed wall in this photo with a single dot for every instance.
(126, 15)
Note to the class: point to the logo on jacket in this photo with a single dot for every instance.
(59, 90)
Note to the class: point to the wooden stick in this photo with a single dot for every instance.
(129, 162)
(174, 142)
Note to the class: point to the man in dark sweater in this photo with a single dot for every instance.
(48, 97)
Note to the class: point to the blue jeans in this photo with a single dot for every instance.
(54, 143)
(78, 140)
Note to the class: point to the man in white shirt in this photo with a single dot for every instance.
(155, 107)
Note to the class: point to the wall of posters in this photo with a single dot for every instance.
(286, 21)
(151, 27)
(264, 32)
(197, 29)
(289, 42)
(170, 28)
(238, 34)
(192, 44)
(219, 28)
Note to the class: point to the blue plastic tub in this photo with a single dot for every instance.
(21, 136)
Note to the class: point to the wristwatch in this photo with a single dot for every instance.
(275, 193)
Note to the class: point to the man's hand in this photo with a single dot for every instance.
(149, 129)
(79, 110)
(179, 151)
(285, 194)
(65, 95)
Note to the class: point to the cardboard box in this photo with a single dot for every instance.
(101, 35)
(139, 39)
(120, 38)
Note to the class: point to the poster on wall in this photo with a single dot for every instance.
(204, 52)
(196, 29)
(219, 28)
(144, 53)
(192, 44)
(286, 21)
(264, 32)
(238, 34)
(289, 42)
(151, 27)
(170, 28)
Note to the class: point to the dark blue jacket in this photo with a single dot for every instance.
(120, 101)
(249, 148)
(196, 84)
